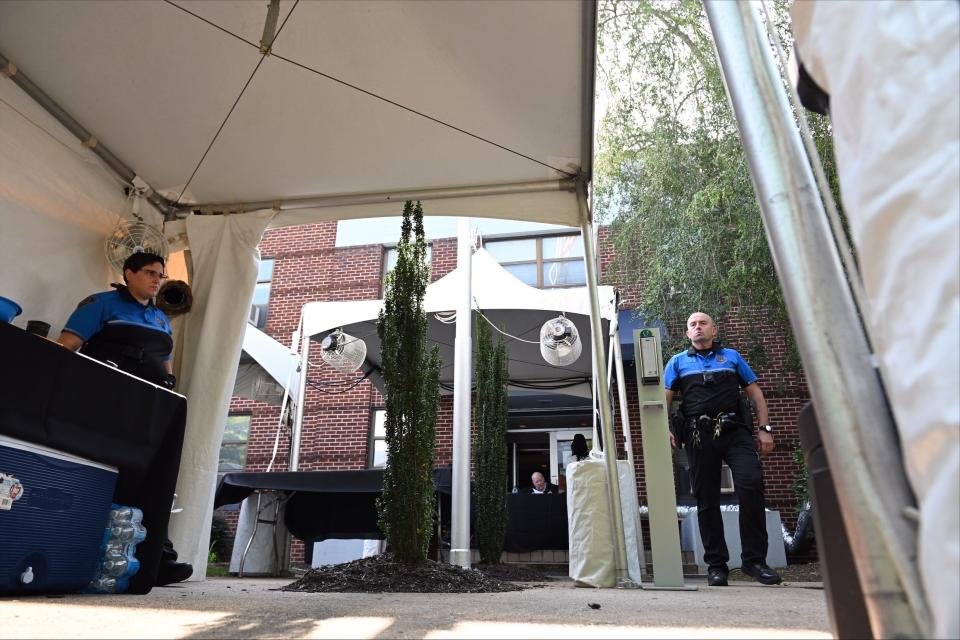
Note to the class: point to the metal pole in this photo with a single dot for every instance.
(125, 173)
(848, 396)
(399, 195)
(602, 394)
(627, 436)
(301, 401)
(462, 382)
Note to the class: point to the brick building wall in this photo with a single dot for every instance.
(309, 267)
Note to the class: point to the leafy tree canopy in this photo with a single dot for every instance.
(671, 175)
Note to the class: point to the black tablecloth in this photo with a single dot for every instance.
(323, 504)
(342, 505)
(536, 522)
(58, 399)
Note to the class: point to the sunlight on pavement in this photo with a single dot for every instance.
(350, 627)
(20, 620)
(527, 631)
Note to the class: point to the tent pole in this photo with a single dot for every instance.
(603, 396)
(848, 397)
(301, 401)
(627, 437)
(381, 197)
(462, 383)
(116, 165)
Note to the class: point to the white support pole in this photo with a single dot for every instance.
(603, 395)
(301, 401)
(627, 437)
(462, 383)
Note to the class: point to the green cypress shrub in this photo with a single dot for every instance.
(411, 376)
(490, 450)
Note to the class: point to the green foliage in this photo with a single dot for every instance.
(411, 376)
(490, 448)
(800, 482)
(671, 175)
(220, 539)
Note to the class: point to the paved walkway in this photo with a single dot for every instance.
(255, 608)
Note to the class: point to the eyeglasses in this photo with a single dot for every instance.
(154, 274)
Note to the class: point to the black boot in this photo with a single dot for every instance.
(170, 570)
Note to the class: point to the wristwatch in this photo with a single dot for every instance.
(765, 427)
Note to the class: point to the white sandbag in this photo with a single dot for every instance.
(591, 554)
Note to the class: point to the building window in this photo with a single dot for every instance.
(233, 447)
(261, 294)
(378, 439)
(545, 262)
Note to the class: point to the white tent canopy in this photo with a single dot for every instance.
(267, 357)
(504, 300)
(415, 97)
(361, 106)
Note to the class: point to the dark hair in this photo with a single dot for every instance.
(579, 447)
(139, 260)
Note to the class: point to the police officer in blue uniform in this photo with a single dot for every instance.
(715, 427)
(124, 328)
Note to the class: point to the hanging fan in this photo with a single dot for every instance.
(343, 352)
(560, 342)
(128, 238)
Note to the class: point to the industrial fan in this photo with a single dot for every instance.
(343, 352)
(129, 237)
(560, 342)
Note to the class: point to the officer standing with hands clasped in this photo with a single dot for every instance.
(124, 328)
(716, 428)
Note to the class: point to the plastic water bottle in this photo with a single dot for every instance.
(118, 561)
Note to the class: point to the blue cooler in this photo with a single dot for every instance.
(53, 511)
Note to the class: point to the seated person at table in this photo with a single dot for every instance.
(540, 484)
(123, 327)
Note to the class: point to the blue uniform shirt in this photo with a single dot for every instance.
(709, 382)
(115, 307)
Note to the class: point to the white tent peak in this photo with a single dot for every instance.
(493, 287)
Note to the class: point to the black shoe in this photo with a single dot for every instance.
(760, 572)
(717, 577)
(171, 572)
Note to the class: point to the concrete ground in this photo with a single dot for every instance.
(255, 608)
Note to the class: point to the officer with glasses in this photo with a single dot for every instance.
(715, 426)
(123, 327)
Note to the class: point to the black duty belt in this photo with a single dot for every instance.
(718, 424)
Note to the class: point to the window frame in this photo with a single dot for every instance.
(261, 324)
(235, 414)
(539, 261)
(372, 437)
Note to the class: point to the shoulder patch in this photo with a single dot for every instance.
(86, 301)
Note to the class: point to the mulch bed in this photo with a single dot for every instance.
(381, 574)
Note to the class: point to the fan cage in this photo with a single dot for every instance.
(128, 238)
(560, 343)
(343, 352)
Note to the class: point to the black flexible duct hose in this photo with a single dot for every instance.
(800, 542)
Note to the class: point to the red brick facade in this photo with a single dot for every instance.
(308, 267)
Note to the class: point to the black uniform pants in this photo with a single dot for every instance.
(738, 449)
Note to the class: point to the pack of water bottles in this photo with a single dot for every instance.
(118, 562)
